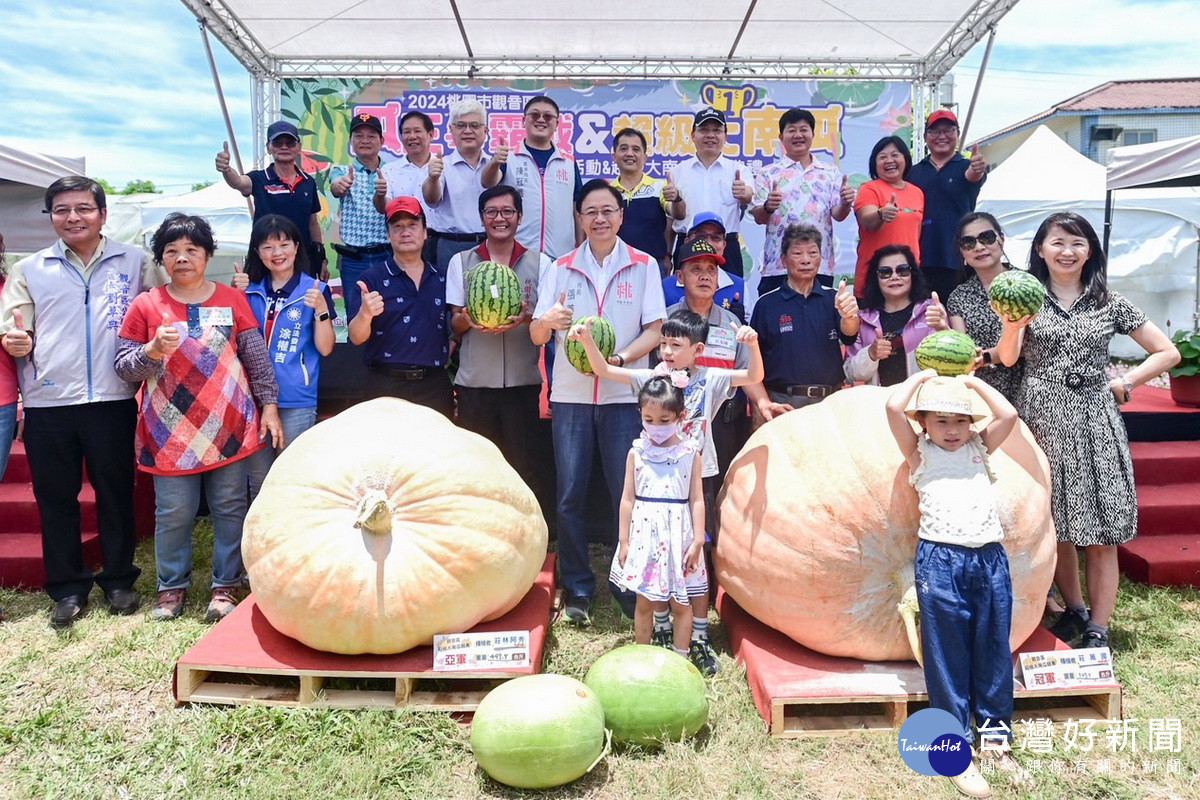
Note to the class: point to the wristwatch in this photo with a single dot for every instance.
(324, 315)
(1128, 389)
(987, 356)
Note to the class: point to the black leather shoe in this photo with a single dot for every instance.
(123, 601)
(67, 610)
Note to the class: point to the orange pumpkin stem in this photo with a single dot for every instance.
(374, 513)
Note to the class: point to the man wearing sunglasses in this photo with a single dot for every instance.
(951, 185)
(547, 179)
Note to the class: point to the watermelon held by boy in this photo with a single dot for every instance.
(539, 731)
(949, 352)
(606, 340)
(650, 694)
(493, 294)
(1016, 294)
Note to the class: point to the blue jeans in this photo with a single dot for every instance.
(965, 596)
(578, 430)
(177, 498)
(350, 269)
(295, 421)
(8, 429)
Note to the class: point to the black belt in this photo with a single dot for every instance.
(803, 389)
(407, 373)
(358, 252)
(660, 499)
(459, 237)
(1073, 380)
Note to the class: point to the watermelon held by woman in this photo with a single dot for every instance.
(539, 731)
(650, 695)
(1016, 294)
(493, 294)
(948, 352)
(606, 340)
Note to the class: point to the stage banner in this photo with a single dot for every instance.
(851, 117)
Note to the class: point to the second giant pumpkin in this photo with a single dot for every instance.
(388, 524)
(819, 527)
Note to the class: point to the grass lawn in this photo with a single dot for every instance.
(87, 713)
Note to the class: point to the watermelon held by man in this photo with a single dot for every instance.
(493, 294)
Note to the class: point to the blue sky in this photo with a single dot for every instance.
(126, 84)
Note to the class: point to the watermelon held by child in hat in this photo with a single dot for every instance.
(606, 340)
(539, 731)
(948, 352)
(650, 694)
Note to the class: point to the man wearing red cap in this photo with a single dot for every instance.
(951, 185)
(402, 322)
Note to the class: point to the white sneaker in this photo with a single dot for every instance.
(972, 783)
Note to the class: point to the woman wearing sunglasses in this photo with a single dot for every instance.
(981, 245)
(897, 312)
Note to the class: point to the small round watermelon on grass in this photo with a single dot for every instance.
(650, 695)
(606, 340)
(1016, 294)
(493, 294)
(538, 731)
(949, 352)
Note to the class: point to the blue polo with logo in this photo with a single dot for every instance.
(413, 330)
(800, 337)
(273, 195)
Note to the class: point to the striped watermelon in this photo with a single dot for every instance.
(493, 294)
(948, 352)
(1017, 294)
(606, 340)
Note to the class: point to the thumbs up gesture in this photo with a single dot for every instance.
(846, 191)
(774, 198)
(891, 210)
(17, 342)
(223, 159)
(381, 186)
(372, 302)
(741, 189)
(165, 341)
(935, 314)
(978, 163)
(501, 154)
(670, 191)
(744, 334)
(559, 316)
(240, 279)
(844, 301)
(436, 165)
(880, 349)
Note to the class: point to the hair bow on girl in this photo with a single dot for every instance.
(679, 377)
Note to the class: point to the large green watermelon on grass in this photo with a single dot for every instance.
(606, 340)
(650, 694)
(493, 294)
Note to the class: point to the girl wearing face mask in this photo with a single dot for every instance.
(660, 557)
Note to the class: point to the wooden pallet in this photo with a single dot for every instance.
(801, 693)
(245, 661)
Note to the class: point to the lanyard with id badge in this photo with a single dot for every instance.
(201, 317)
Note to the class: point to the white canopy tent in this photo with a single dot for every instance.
(24, 177)
(473, 40)
(1153, 253)
(226, 211)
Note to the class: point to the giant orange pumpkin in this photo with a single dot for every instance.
(386, 525)
(819, 524)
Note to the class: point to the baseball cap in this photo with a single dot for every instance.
(699, 247)
(282, 128)
(939, 116)
(359, 120)
(706, 218)
(404, 205)
(706, 114)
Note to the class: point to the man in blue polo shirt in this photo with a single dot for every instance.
(951, 185)
(649, 202)
(362, 228)
(402, 321)
(801, 325)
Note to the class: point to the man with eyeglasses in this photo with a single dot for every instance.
(951, 185)
(606, 277)
(282, 188)
(547, 179)
(60, 312)
(498, 381)
(361, 226)
(453, 184)
(708, 181)
(650, 204)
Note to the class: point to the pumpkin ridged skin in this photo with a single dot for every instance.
(466, 540)
(818, 527)
(1017, 294)
(493, 294)
(650, 694)
(538, 731)
(950, 353)
(606, 341)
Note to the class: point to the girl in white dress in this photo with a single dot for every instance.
(660, 557)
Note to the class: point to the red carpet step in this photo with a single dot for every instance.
(1167, 549)
(1172, 560)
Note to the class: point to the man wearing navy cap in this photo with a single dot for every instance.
(951, 185)
(730, 289)
(362, 227)
(402, 322)
(281, 188)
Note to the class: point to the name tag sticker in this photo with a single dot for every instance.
(216, 316)
(722, 343)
